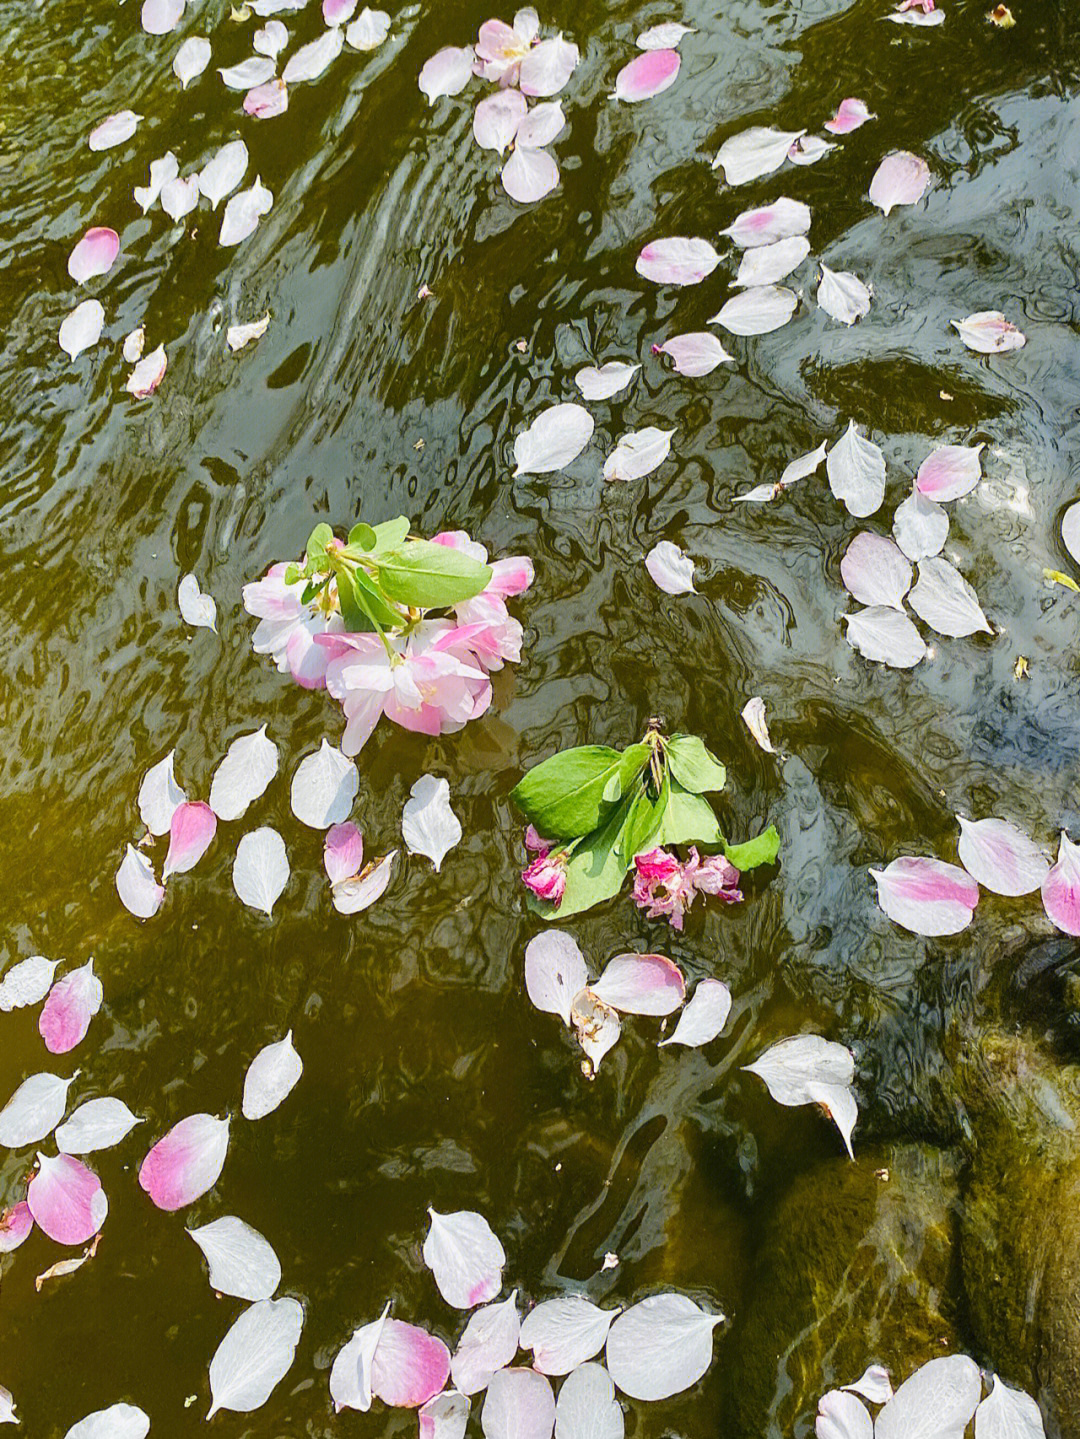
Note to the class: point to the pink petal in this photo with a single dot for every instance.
(513, 576)
(148, 374)
(71, 1005)
(900, 179)
(677, 261)
(66, 1200)
(927, 896)
(875, 572)
(160, 16)
(641, 984)
(15, 1225)
(266, 101)
(193, 826)
(784, 219)
(336, 12)
(343, 852)
(114, 131)
(548, 66)
(1002, 858)
(496, 119)
(519, 1404)
(139, 891)
(849, 116)
(950, 472)
(447, 72)
(351, 896)
(649, 74)
(1061, 888)
(696, 353)
(186, 1162)
(529, 175)
(410, 1365)
(94, 254)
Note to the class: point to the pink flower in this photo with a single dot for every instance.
(535, 841)
(287, 628)
(664, 886)
(500, 48)
(924, 5)
(546, 876)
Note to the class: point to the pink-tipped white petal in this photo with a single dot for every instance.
(221, 175)
(447, 72)
(343, 852)
(677, 260)
(784, 219)
(767, 264)
(843, 295)
(842, 1415)
(519, 1404)
(33, 1111)
(554, 972)
(649, 74)
(191, 59)
(272, 1076)
(753, 717)
(947, 1389)
(312, 60)
(26, 982)
(114, 131)
(94, 254)
(886, 636)
(410, 1365)
(641, 984)
(548, 66)
(368, 30)
(529, 175)
(849, 116)
(186, 1162)
(926, 896)
(250, 763)
(665, 36)
(97, 1124)
(875, 572)
(660, 1346)
(496, 120)
(554, 440)
(754, 153)
(71, 1005)
(489, 1342)
(900, 179)
(921, 526)
(757, 311)
(15, 1226)
(465, 1257)
(1002, 858)
(324, 787)
(260, 869)
(147, 374)
(353, 895)
(671, 569)
(350, 1374)
(808, 1069)
(988, 332)
(81, 330)
(255, 1355)
(1008, 1414)
(587, 1407)
(856, 470)
(950, 472)
(337, 12)
(428, 824)
(243, 213)
(563, 1333)
(696, 353)
(191, 830)
(66, 1200)
(242, 1263)
(158, 17)
(1060, 891)
(607, 380)
(139, 891)
(638, 453)
(255, 70)
(543, 124)
(944, 600)
(704, 1017)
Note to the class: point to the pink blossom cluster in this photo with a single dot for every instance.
(431, 675)
(664, 885)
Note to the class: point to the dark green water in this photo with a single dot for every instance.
(429, 1079)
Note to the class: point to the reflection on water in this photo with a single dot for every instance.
(429, 1078)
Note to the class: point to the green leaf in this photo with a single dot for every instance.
(763, 849)
(293, 574)
(311, 589)
(362, 605)
(568, 795)
(644, 821)
(695, 767)
(318, 540)
(363, 536)
(391, 533)
(689, 819)
(594, 872)
(431, 576)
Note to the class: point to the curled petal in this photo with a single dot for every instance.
(1061, 888)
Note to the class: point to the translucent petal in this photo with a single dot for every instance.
(945, 601)
(937, 1402)
(757, 311)
(886, 636)
(638, 453)
(81, 330)
(196, 608)
(324, 787)
(519, 1404)
(875, 572)
(489, 1342)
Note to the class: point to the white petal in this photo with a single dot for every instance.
(250, 763)
(671, 568)
(753, 717)
(543, 124)
(97, 1124)
(271, 39)
(34, 1110)
(665, 36)
(921, 526)
(272, 1075)
(873, 1384)
(950, 472)
(843, 295)
(139, 891)
(554, 972)
(7, 1407)
(191, 59)
(856, 469)
(350, 1375)
(196, 608)
(351, 896)
(548, 66)
(757, 311)
(81, 330)
(810, 1070)
(465, 1257)
(446, 73)
(937, 1402)
(783, 219)
(161, 171)
(160, 796)
(324, 787)
(809, 150)
(519, 1405)
(900, 179)
(677, 260)
(563, 1333)
(26, 982)
(134, 344)
(180, 196)
(445, 1417)
(255, 70)
(242, 1263)
(496, 120)
(695, 353)
(885, 635)
(989, 333)
(660, 1346)
(255, 1355)
(608, 380)
(237, 336)
(753, 153)
(311, 60)
(529, 175)
(945, 601)
(368, 30)
(488, 1344)
(704, 1017)
(144, 380)
(428, 824)
(261, 869)
(638, 453)
(766, 264)
(243, 212)
(221, 175)
(119, 1421)
(114, 131)
(1000, 857)
(1008, 1414)
(841, 1415)
(875, 572)
(596, 1025)
(587, 1407)
(554, 439)
(803, 465)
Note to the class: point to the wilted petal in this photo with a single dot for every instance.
(66, 1200)
(926, 896)
(883, 634)
(660, 1346)
(921, 526)
(465, 1257)
(26, 982)
(242, 1263)
(672, 569)
(94, 254)
(753, 153)
(114, 131)
(753, 716)
(650, 74)
(757, 311)
(519, 1404)
(351, 896)
(548, 66)
(928, 19)
(161, 172)
(1001, 857)
(15, 1226)
(948, 1389)
(261, 869)
(677, 260)
(243, 212)
(596, 1025)
(179, 197)
(250, 763)
(221, 175)
(543, 124)
(809, 149)
(900, 179)
(665, 36)
(875, 572)
(950, 472)
(843, 295)
(34, 1110)
(71, 1005)
(147, 375)
(554, 972)
(428, 824)
(191, 830)
(272, 1075)
(97, 1124)
(445, 1417)
(139, 891)
(368, 30)
(311, 60)
(266, 101)
(529, 175)
(255, 1355)
(784, 219)
(641, 984)
(447, 72)
(856, 470)
(186, 1162)
(945, 600)
(696, 353)
(638, 453)
(704, 1017)
(81, 329)
(191, 59)
(1060, 892)
(255, 70)
(850, 115)
(1008, 1414)
(766, 264)
(988, 332)
(343, 852)
(237, 336)
(496, 119)
(350, 1375)
(158, 17)
(410, 1365)
(488, 1344)
(842, 1416)
(563, 1333)
(554, 439)
(607, 380)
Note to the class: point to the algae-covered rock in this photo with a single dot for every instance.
(853, 1267)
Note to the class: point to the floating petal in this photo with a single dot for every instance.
(1060, 893)
(753, 716)
(784, 219)
(548, 66)
(445, 1417)
(944, 600)
(886, 636)
(255, 70)
(926, 896)
(650, 74)
(641, 984)
(519, 1404)
(672, 569)
(496, 120)
(754, 153)
(1002, 858)
(939, 1399)
(271, 39)
(134, 344)
(312, 60)
(237, 336)
(810, 1070)
(696, 353)
(255, 1355)
(161, 172)
(842, 1416)
(410, 1365)
(1008, 1414)
(145, 378)
(158, 17)
(610, 379)
(875, 572)
(191, 60)
(928, 19)
(988, 332)
(119, 1421)
(34, 1110)
(242, 1263)
(529, 175)
(921, 526)
(587, 1407)
(1070, 531)
(343, 852)
(543, 124)
(950, 472)
(351, 896)
(428, 824)
(563, 1333)
(114, 131)
(324, 787)
(856, 470)
(94, 254)
(873, 1384)
(81, 330)
(596, 1025)
(191, 830)
(261, 869)
(66, 1200)
(638, 453)
(554, 972)
(660, 1346)
(447, 72)
(15, 1226)
(97, 1124)
(809, 149)
(465, 1257)
(179, 197)
(677, 260)
(350, 1375)
(758, 311)
(271, 1078)
(704, 1017)
(368, 30)
(843, 295)
(900, 179)
(250, 763)
(488, 1344)
(139, 891)
(243, 212)
(71, 1005)
(665, 36)
(850, 115)
(766, 264)
(554, 439)
(802, 466)
(160, 796)
(26, 982)
(186, 1162)
(221, 175)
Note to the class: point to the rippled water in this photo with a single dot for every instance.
(429, 1078)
